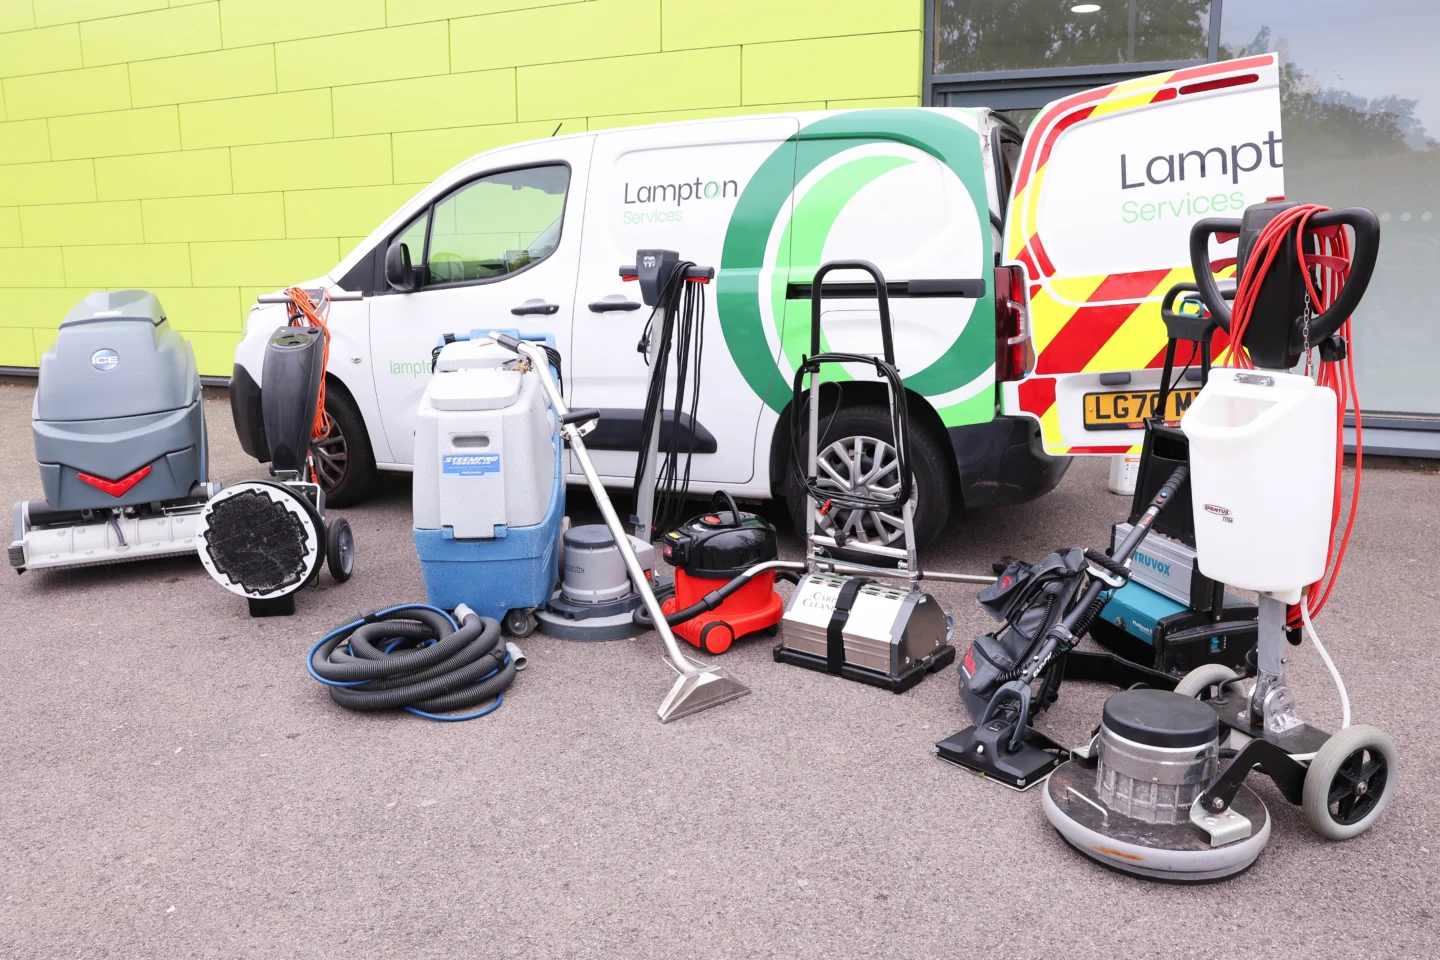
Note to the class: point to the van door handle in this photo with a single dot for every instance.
(533, 307)
(613, 302)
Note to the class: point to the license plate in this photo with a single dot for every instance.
(1127, 409)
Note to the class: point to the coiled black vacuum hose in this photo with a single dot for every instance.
(415, 657)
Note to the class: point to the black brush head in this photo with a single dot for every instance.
(258, 543)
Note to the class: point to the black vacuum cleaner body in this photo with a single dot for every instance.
(119, 438)
(1159, 791)
(265, 539)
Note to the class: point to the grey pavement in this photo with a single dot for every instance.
(173, 784)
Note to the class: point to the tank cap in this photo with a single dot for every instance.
(1161, 718)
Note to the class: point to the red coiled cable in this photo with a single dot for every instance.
(1332, 262)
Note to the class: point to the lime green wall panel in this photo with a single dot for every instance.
(711, 23)
(418, 50)
(70, 92)
(216, 149)
(24, 141)
(347, 162)
(258, 262)
(668, 116)
(82, 223)
(418, 11)
(667, 81)
(268, 119)
(185, 174)
(421, 157)
(141, 265)
(40, 51)
(33, 266)
(203, 76)
(40, 308)
(252, 216)
(9, 227)
(246, 22)
(121, 132)
(608, 28)
(146, 36)
(201, 309)
(17, 347)
(455, 100)
(71, 181)
(71, 11)
(336, 213)
(20, 15)
(886, 64)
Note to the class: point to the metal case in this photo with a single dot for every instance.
(890, 631)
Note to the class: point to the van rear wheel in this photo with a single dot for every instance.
(857, 455)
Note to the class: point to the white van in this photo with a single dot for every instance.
(1056, 358)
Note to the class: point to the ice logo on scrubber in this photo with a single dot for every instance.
(104, 360)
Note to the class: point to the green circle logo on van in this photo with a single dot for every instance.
(794, 203)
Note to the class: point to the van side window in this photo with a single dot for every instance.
(497, 225)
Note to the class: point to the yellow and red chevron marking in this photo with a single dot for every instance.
(1095, 323)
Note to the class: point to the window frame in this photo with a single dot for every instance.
(1041, 80)
(429, 214)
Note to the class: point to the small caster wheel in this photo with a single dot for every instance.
(1198, 682)
(1350, 782)
(339, 550)
(716, 637)
(520, 623)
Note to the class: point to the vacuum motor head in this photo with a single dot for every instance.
(721, 545)
(260, 540)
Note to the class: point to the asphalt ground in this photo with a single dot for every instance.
(173, 784)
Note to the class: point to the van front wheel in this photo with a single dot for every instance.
(344, 462)
(857, 456)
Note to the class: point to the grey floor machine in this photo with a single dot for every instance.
(120, 440)
(266, 539)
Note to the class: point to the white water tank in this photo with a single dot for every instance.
(1262, 479)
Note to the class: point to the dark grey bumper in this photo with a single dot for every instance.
(1003, 462)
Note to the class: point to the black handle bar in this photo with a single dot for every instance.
(1362, 265)
(882, 296)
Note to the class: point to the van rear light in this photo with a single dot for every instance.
(1012, 324)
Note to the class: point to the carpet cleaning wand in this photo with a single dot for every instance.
(699, 686)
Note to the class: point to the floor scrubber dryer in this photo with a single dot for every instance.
(839, 619)
(489, 486)
(699, 686)
(1160, 790)
(120, 439)
(265, 539)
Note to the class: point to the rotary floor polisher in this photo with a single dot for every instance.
(1159, 791)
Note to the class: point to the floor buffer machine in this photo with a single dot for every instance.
(266, 539)
(1160, 791)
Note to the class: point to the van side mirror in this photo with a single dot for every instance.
(398, 271)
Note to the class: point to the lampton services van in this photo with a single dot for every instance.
(1077, 228)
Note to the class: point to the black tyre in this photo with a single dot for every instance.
(344, 461)
(858, 446)
(339, 550)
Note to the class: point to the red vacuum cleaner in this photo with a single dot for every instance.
(719, 595)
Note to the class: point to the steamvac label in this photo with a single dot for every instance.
(471, 464)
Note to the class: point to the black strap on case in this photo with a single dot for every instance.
(835, 631)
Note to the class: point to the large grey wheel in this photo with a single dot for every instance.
(1198, 682)
(857, 456)
(1350, 782)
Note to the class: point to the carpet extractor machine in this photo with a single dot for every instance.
(266, 539)
(120, 439)
(1159, 791)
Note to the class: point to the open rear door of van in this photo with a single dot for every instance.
(1109, 183)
